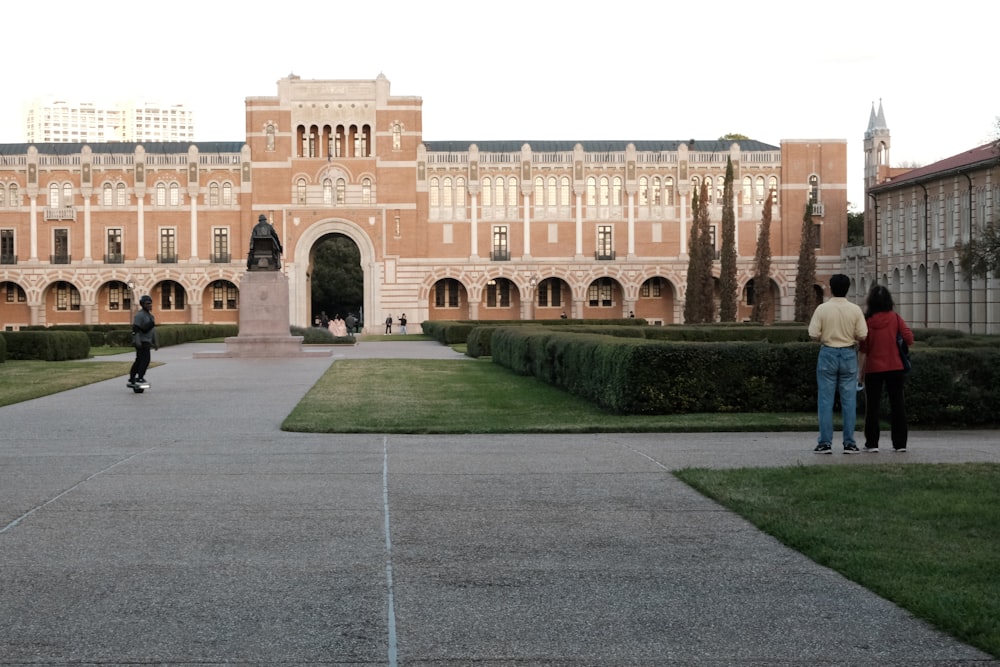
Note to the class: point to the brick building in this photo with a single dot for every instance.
(445, 229)
(916, 221)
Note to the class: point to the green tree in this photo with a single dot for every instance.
(692, 304)
(805, 277)
(705, 283)
(733, 136)
(980, 257)
(855, 226)
(727, 275)
(337, 278)
(762, 268)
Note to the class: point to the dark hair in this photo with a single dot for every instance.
(879, 301)
(839, 284)
(146, 299)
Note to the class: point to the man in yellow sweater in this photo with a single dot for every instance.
(839, 326)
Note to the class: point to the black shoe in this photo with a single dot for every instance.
(823, 448)
(870, 450)
(141, 381)
(851, 449)
(131, 383)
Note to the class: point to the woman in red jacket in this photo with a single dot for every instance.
(882, 365)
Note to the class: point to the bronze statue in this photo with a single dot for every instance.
(265, 247)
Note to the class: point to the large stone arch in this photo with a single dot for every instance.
(297, 271)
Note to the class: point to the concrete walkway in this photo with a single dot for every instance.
(183, 527)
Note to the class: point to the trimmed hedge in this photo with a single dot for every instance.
(953, 387)
(46, 345)
(452, 332)
(3, 349)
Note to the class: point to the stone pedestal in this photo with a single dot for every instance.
(264, 323)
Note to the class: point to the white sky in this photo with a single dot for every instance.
(544, 69)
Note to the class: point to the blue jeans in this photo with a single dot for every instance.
(837, 370)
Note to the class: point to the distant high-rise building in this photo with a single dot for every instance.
(52, 120)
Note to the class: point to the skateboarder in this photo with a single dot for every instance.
(144, 338)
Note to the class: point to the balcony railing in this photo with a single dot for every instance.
(8, 259)
(221, 258)
(60, 259)
(114, 258)
(500, 255)
(818, 208)
(60, 213)
(604, 255)
(167, 258)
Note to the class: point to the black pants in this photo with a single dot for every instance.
(893, 383)
(141, 362)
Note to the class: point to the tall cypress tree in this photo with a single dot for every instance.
(762, 267)
(692, 302)
(727, 275)
(706, 257)
(805, 277)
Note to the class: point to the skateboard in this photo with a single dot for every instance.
(138, 388)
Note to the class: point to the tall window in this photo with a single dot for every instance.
(512, 192)
(446, 293)
(397, 136)
(175, 194)
(161, 194)
(168, 245)
(446, 192)
(67, 296)
(60, 246)
(227, 194)
(220, 244)
(327, 192)
(747, 189)
(300, 191)
(605, 242)
(772, 186)
(223, 295)
(564, 191)
(814, 189)
(341, 192)
(15, 292)
(487, 193)
(7, 253)
(550, 293)
(114, 255)
(107, 195)
(121, 196)
(269, 132)
(366, 192)
(591, 191)
(600, 291)
(54, 195)
(668, 191)
(498, 293)
(119, 296)
(171, 296)
(501, 251)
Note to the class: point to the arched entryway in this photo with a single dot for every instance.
(336, 281)
(299, 270)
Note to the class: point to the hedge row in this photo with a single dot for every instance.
(959, 387)
(45, 345)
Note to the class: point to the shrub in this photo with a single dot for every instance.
(47, 345)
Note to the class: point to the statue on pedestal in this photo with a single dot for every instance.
(265, 247)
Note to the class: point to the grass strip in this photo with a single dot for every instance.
(477, 396)
(924, 536)
(25, 380)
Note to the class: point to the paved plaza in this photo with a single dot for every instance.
(183, 527)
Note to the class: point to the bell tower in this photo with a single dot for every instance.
(877, 143)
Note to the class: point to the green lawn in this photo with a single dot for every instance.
(24, 380)
(925, 536)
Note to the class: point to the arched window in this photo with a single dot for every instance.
(616, 191)
(270, 136)
(512, 191)
(213, 194)
(435, 192)
(552, 195)
(161, 194)
(603, 193)
(643, 191)
(708, 188)
(655, 191)
(747, 189)
(813, 189)
(121, 197)
(539, 192)
(328, 192)
(460, 192)
(227, 194)
(175, 194)
(341, 191)
(668, 191)
(107, 195)
(446, 193)
(54, 195)
(67, 194)
(366, 191)
(300, 191)
(759, 194)
(564, 191)
(498, 191)
(397, 136)
(171, 295)
(487, 192)
(772, 185)
(591, 191)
